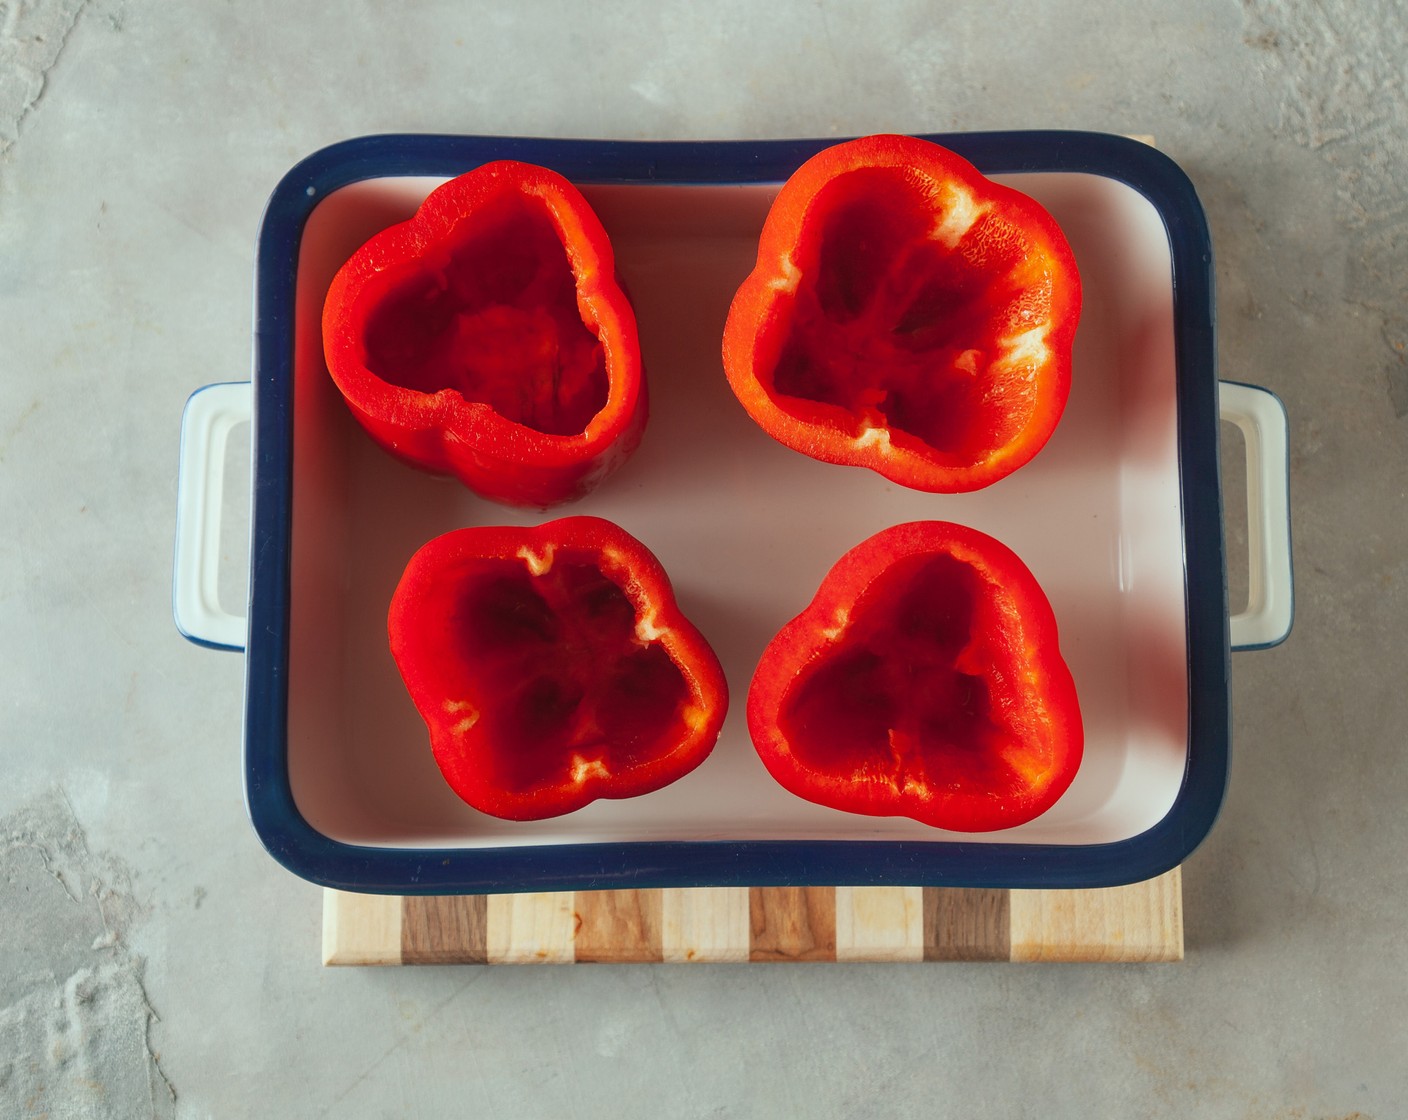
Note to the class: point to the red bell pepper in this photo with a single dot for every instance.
(486, 337)
(924, 680)
(908, 315)
(553, 666)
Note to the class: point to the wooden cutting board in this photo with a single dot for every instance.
(1142, 922)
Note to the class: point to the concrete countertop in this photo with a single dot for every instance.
(154, 960)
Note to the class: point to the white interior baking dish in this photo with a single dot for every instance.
(1119, 517)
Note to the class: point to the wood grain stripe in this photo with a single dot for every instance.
(967, 924)
(618, 926)
(1140, 922)
(531, 928)
(704, 924)
(452, 929)
(361, 928)
(792, 923)
(879, 924)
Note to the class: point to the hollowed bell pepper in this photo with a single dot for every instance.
(925, 681)
(908, 315)
(553, 666)
(486, 337)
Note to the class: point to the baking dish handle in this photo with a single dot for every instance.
(213, 411)
(1261, 417)
(210, 415)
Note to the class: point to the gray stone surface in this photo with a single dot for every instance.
(153, 960)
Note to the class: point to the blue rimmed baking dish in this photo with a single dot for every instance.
(1120, 518)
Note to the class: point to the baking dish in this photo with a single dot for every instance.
(1120, 518)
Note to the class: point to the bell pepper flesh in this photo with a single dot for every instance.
(924, 680)
(495, 318)
(908, 315)
(553, 666)
(487, 337)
